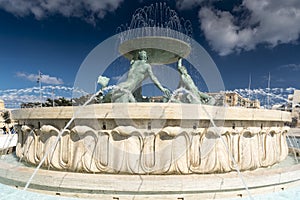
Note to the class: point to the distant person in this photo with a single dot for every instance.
(4, 129)
(12, 130)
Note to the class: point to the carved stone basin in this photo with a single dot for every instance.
(160, 50)
(152, 138)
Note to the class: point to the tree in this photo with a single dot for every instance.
(6, 117)
(61, 101)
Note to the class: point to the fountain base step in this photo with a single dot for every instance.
(117, 186)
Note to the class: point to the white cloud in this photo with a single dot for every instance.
(268, 22)
(293, 67)
(14, 97)
(44, 78)
(276, 95)
(187, 4)
(222, 34)
(88, 10)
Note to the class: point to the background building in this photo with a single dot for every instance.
(295, 99)
(227, 98)
(235, 99)
(2, 106)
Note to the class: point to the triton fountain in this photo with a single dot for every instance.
(185, 147)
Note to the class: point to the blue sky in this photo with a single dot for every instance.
(243, 37)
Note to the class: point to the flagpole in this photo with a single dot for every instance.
(269, 81)
(52, 97)
(249, 86)
(40, 83)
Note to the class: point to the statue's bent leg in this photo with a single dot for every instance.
(122, 97)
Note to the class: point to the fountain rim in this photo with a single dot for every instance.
(143, 111)
(160, 49)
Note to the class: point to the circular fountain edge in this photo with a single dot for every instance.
(146, 111)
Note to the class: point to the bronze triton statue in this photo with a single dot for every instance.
(139, 71)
